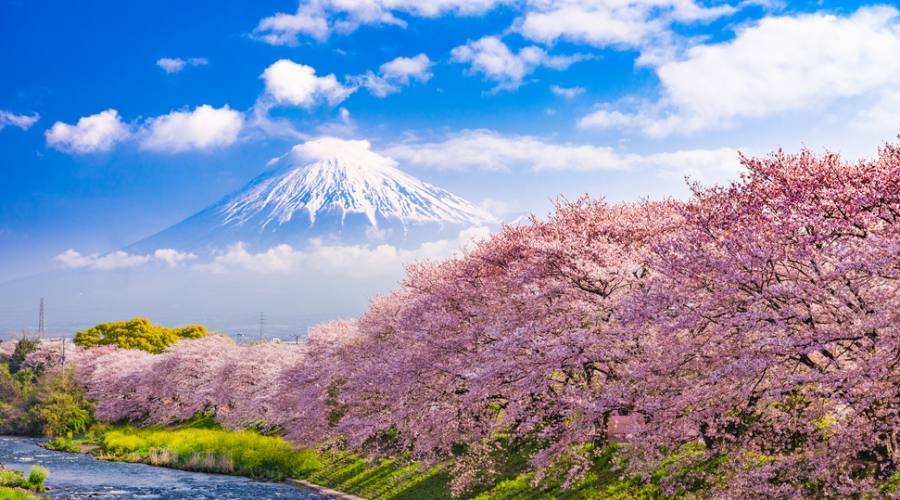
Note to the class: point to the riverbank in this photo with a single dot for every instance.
(7, 493)
(84, 476)
(15, 485)
(349, 476)
(334, 474)
(249, 454)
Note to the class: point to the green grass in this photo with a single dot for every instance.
(244, 453)
(11, 479)
(197, 446)
(247, 453)
(63, 444)
(398, 480)
(16, 494)
(391, 478)
(604, 479)
(202, 447)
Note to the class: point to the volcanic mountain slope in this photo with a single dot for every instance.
(329, 189)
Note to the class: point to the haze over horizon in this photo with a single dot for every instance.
(506, 104)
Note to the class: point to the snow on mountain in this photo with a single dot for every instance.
(326, 188)
(346, 176)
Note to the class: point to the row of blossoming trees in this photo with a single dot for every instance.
(761, 319)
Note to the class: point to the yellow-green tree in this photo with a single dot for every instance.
(138, 333)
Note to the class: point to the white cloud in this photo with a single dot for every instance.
(92, 134)
(394, 74)
(603, 23)
(375, 84)
(318, 19)
(325, 148)
(489, 150)
(72, 259)
(283, 29)
(203, 128)
(567, 92)
(497, 208)
(605, 118)
(174, 65)
(490, 56)
(24, 122)
(279, 258)
(780, 64)
(172, 257)
(297, 84)
(354, 260)
(402, 69)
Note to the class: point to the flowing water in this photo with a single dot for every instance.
(76, 476)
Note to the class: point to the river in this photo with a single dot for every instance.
(76, 476)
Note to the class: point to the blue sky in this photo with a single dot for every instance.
(505, 102)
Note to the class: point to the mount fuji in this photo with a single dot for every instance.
(328, 226)
(331, 190)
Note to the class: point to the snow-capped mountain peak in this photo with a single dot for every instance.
(346, 176)
(327, 188)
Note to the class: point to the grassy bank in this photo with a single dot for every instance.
(250, 454)
(16, 486)
(244, 453)
(16, 494)
(266, 457)
(399, 480)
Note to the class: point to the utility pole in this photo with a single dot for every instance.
(262, 324)
(41, 321)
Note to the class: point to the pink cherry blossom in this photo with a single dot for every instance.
(760, 320)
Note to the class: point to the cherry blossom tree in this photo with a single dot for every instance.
(754, 328)
(516, 337)
(52, 353)
(775, 315)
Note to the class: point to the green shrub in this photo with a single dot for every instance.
(24, 347)
(24, 376)
(11, 478)
(15, 479)
(58, 406)
(36, 477)
(63, 444)
(9, 386)
(50, 404)
(62, 413)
